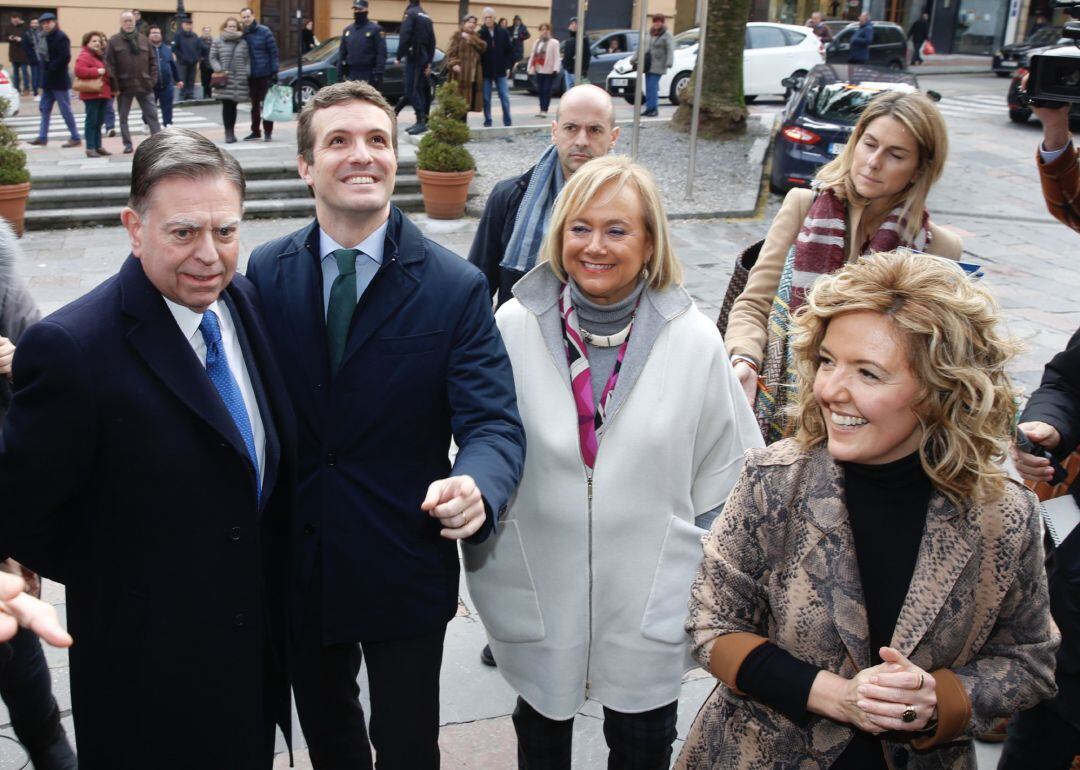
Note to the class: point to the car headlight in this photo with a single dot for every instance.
(622, 66)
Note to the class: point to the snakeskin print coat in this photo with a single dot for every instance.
(780, 562)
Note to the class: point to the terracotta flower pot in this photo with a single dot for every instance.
(13, 204)
(445, 192)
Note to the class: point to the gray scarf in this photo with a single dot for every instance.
(41, 47)
(534, 213)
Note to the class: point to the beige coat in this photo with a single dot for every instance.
(746, 332)
(780, 564)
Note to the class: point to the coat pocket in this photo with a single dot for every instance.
(501, 584)
(666, 610)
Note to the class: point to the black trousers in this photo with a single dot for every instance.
(258, 88)
(26, 687)
(635, 741)
(403, 682)
(1039, 739)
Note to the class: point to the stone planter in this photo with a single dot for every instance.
(445, 192)
(13, 199)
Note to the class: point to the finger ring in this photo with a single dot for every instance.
(909, 715)
(920, 684)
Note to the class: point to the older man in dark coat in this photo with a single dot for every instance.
(145, 463)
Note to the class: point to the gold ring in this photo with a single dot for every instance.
(920, 684)
(909, 715)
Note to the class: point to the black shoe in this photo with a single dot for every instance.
(252, 137)
(418, 129)
(266, 136)
(128, 149)
(400, 105)
(39, 142)
(112, 133)
(230, 137)
(486, 657)
(650, 113)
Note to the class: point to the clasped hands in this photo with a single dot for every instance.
(875, 700)
(458, 505)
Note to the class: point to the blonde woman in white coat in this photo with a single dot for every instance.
(636, 428)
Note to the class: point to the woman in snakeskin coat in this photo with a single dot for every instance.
(873, 594)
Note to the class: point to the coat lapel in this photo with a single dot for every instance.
(158, 340)
(947, 546)
(298, 280)
(830, 560)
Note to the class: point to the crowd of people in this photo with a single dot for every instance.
(813, 505)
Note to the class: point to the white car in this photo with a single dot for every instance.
(7, 91)
(772, 52)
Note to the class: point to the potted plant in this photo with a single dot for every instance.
(444, 166)
(14, 178)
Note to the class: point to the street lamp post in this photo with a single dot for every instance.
(298, 90)
(579, 42)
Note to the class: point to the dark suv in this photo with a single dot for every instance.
(889, 48)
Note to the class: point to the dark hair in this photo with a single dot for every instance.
(90, 34)
(248, 8)
(152, 27)
(179, 153)
(233, 19)
(328, 96)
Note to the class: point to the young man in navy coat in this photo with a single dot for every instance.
(389, 349)
(145, 463)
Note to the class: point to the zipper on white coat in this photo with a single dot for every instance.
(588, 641)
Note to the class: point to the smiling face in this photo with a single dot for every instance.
(866, 390)
(885, 160)
(247, 17)
(353, 166)
(606, 245)
(188, 239)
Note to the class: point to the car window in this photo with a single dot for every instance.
(633, 36)
(391, 46)
(844, 35)
(887, 35)
(323, 51)
(1044, 36)
(686, 39)
(841, 102)
(794, 38)
(765, 37)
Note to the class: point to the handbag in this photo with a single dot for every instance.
(88, 86)
(776, 382)
(928, 49)
(739, 276)
(278, 104)
(219, 79)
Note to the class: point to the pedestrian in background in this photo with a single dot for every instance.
(569, 54)
(519, 33)
(206, 41)
(25, 681)
(54, 51)
(463, 64)
(167, 75)
(186, 47)
(133, 64)
(660, 58)
(20, 62)
(416, 43)
(874, 594)
(820, 28)
(90, 66)
(30, 43)
(142, 26)
(861, 40)
(601, 539)
(874, 194)
(307, 36)
(920, 30)
(496, 60)
(363, 48)
(544, 66)
(229, 59)
(263, 58)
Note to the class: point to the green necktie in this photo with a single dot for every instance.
(342, 304)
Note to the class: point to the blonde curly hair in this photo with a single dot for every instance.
(966, 406)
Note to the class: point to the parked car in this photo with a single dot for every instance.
(889, 48)
(599, 65)
(772, 52)
(821, 115)
(1007, 58)
(321, 68)
(1020, 112)
(9, 92)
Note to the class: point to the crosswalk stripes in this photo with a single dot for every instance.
(26, 126)
(969, 105)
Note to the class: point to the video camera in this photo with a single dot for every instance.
(1054, 78)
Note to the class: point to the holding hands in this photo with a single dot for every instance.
(894, 695)
(458, 505)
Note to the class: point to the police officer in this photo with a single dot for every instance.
(416, 44)
(363, 48)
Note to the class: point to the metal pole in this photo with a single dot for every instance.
(298, 90)
(639, 84)
(695, 114)
(579, 41)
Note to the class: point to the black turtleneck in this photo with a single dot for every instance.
(886, 506)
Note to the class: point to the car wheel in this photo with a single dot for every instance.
(1019, 115)
(308, 89)
(896, 64)
(1003, 74)
(628, 94)
(677, 84)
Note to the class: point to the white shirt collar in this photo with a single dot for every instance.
(372, 245)
(188, 320)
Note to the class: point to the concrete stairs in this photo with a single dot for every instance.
(62, 198)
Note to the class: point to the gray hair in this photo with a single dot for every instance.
(179, 153)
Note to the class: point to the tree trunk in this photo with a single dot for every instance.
(723, 111)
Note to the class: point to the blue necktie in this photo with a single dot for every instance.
(218, 368)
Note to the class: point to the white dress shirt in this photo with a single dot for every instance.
(367, 264)
(188, 321)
